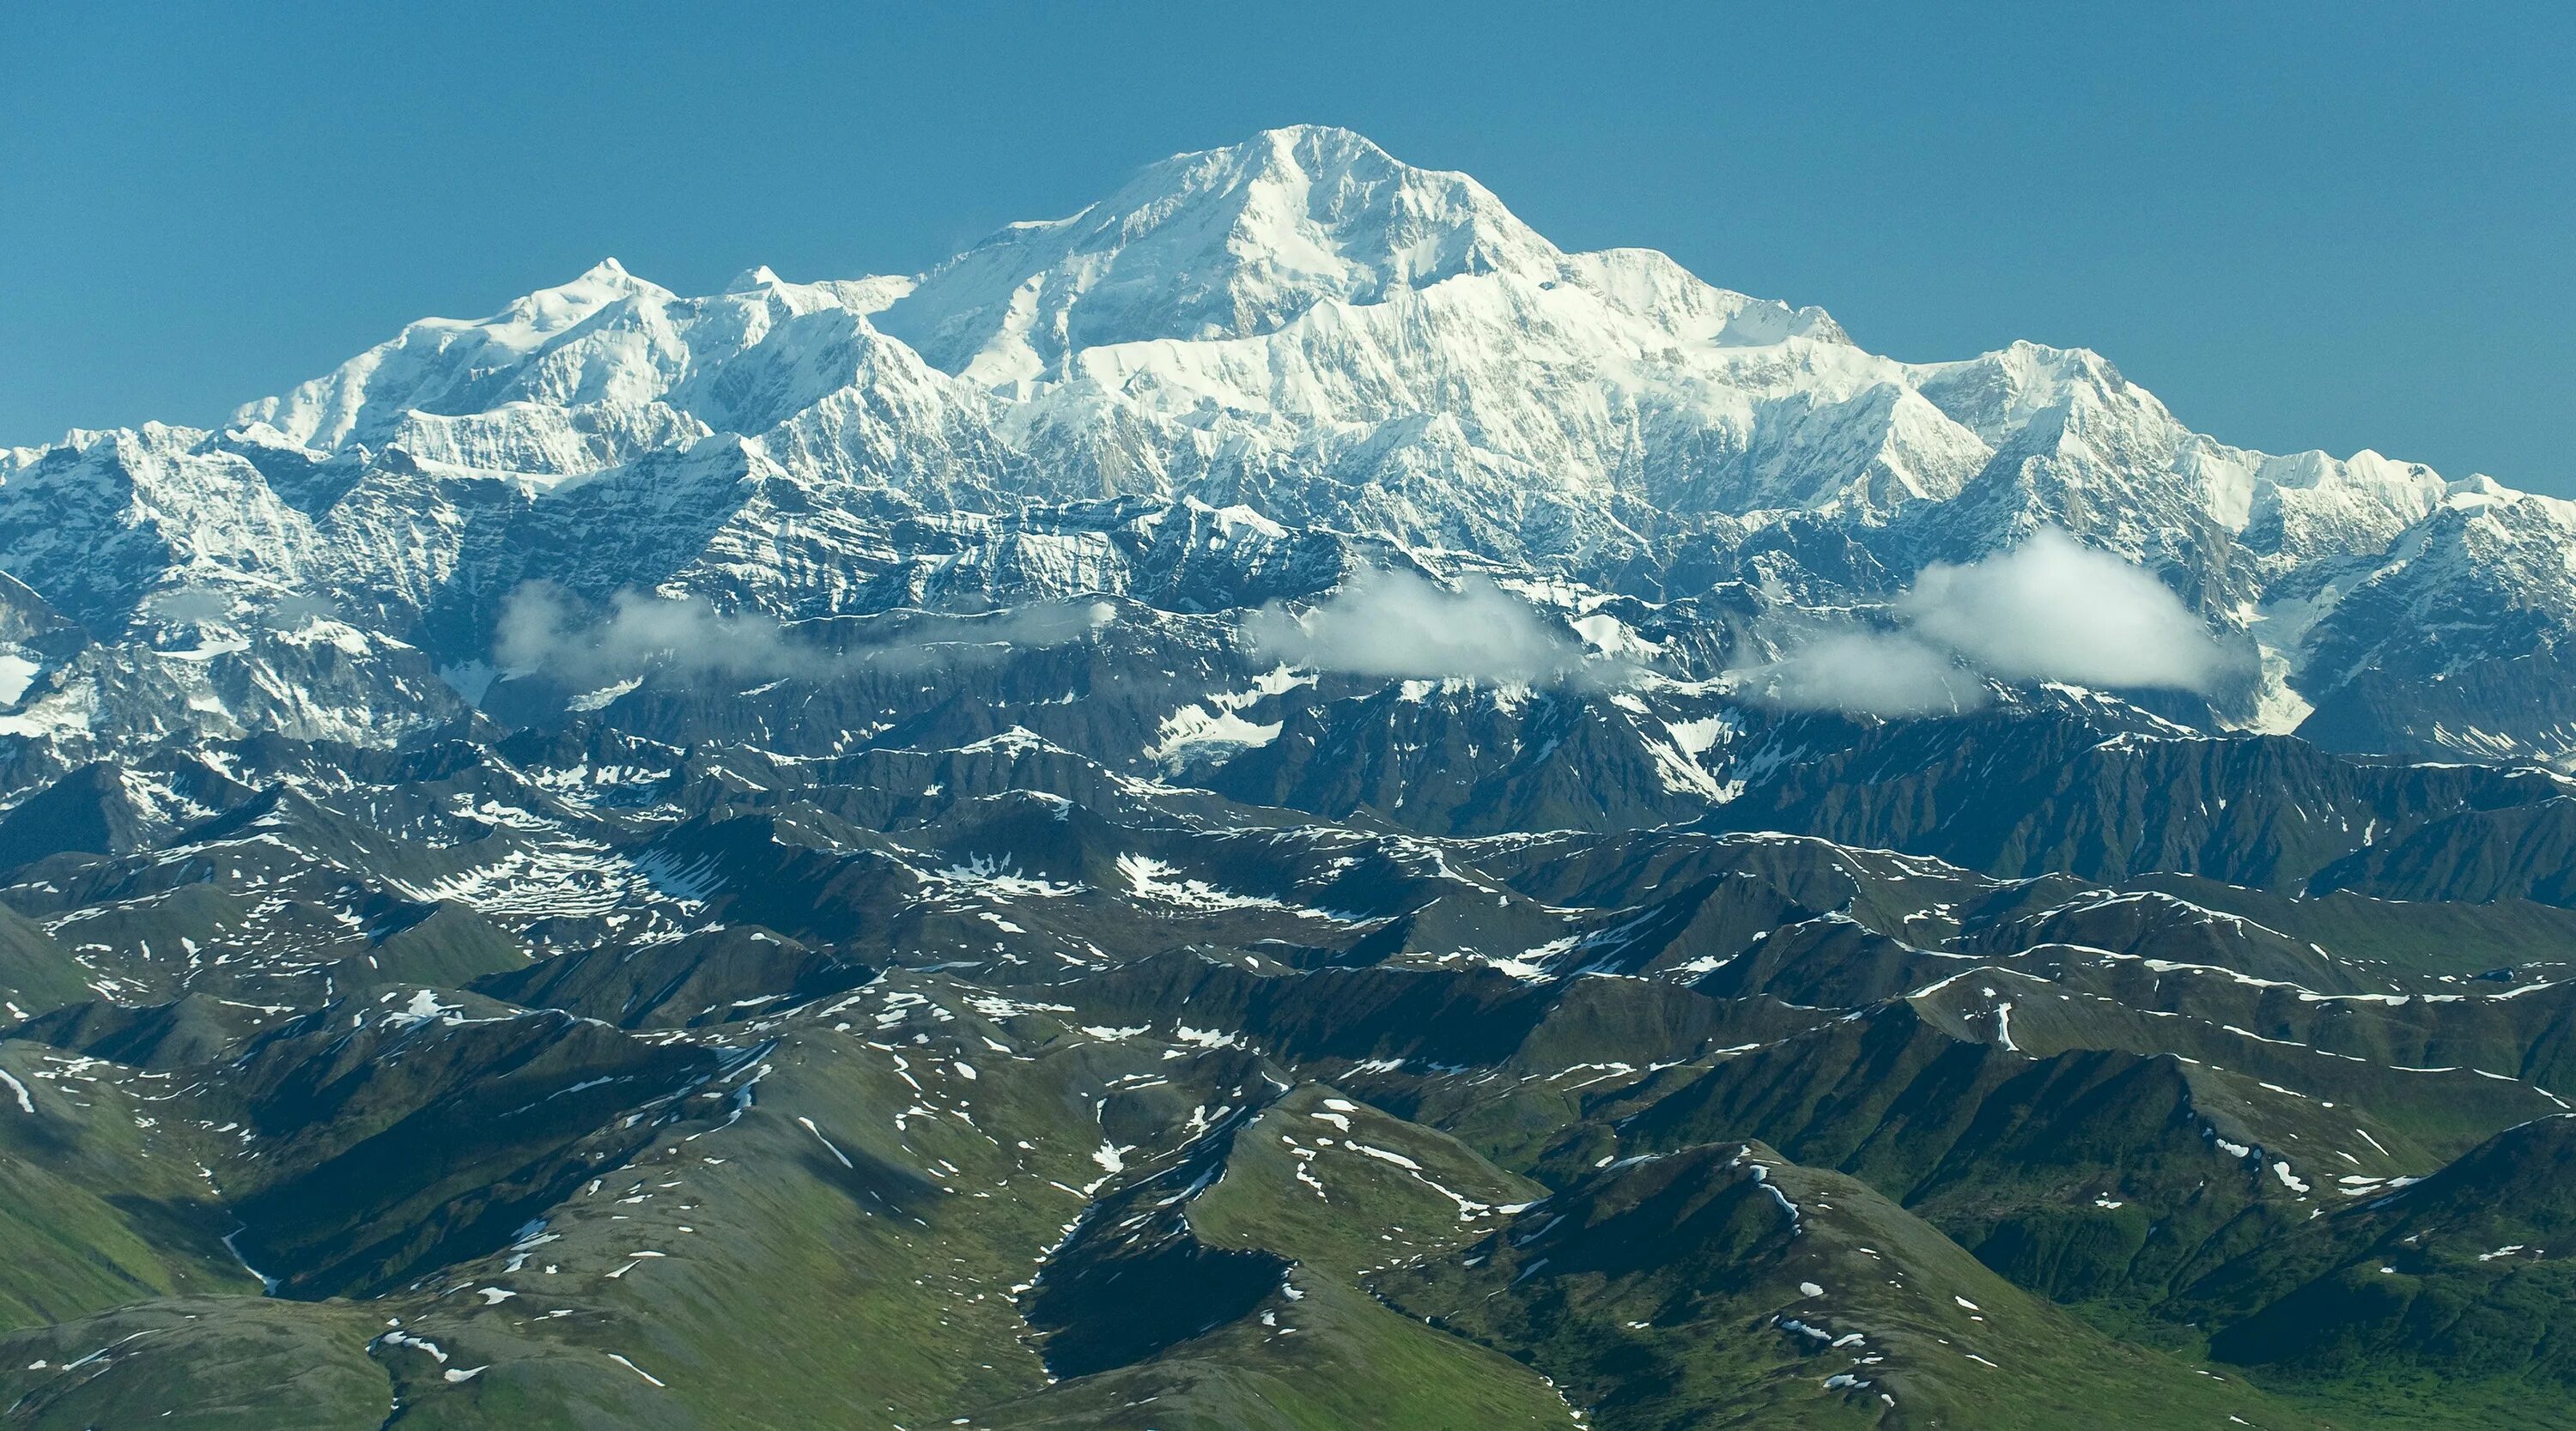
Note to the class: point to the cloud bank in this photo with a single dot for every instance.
(1880, 673)
(687, 641)
(1394, 623)
(2051, 609)
(541, 632)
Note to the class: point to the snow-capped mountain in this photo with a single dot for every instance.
(1341, 349)
(1273, 804)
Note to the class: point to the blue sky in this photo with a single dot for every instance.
(2304, 226)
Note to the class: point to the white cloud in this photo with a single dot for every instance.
(1881, 673)
(539, 631)
(1394, 623)
(2051, 609)
(1037, 625)
(686, 640)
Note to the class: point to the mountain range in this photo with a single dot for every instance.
(1275, 804)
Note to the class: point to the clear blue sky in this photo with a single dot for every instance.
(2325, 226)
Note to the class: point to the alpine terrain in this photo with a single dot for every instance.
(1274, 805)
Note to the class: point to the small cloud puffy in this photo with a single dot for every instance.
(1036, 625)
(539, 631)
(1394, 623)
(189, 605)
(688, 641)
(2051, 609)
(1882, 673)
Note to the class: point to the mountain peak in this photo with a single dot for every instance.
(1214, 243)
(550, 310)
(437, 356)
(1315, 139)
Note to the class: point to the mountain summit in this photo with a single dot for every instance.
(1224, 243)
